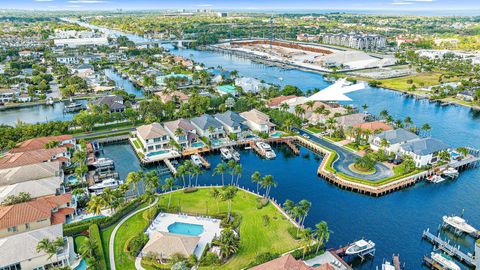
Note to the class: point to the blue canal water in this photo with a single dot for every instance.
(125, 84)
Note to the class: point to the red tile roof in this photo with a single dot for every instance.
(277, 100)
(31, 157)
(372, 126)
(35, 210)
(287, 262)
(38, 143)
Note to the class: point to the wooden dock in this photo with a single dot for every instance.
(170, 166)
(448, 249)
(431, 263)
(204, 161)
(396, 262)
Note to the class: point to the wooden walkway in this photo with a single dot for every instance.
(447, 248)
(204, 161)
(170, 167)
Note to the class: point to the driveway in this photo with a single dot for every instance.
(346, 158)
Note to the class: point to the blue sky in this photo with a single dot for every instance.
(305, 5)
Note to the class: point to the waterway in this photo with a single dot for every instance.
(396, 221)
(125, 84)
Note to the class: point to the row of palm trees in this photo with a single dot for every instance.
(266, 182)
(406, 123)
(233, 168)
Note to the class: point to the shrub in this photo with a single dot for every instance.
(136, 244)
(190, 190)
(209, 259)
(293, 233)
(95, 235)
(262, 202)
(263, 258)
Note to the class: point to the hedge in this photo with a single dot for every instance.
(94, 231)
(76, 228)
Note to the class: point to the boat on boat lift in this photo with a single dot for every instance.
(196, 160)
(360, 247)
(235, 154)
(445, 261)
(435, 179)
(266, 149)
(107, 183)
(450, 173)
(459, 224)
(225, 153)
(103, 162)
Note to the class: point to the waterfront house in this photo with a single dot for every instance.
(275, 102)
(182, 131)
(41, 143)
(466, 95)
(9, 94)
(372, 128)
(394, 138)
(164, 245)
(83, 70)
(315, 118)
(68, 60)
(19, 251)
(38, 180)
(258, 121)
(351, 120)
(176, 96)
(424, 151)
(233, 123)
(153, 137)
(111, 103)
(250, 85)
(181, 79)
(11, 160)
(288, 262)
(209, 127)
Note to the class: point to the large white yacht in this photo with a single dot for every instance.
(196, 160)
(107, 183)
(266, 149)
(460, 224)
(360, 247)
(226, 153)
(446, 262)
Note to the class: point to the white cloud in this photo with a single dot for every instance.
(43, 0)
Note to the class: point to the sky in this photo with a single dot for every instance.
(472, 6)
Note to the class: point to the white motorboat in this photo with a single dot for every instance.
(460, 224)
(103, 162)
(359, 247)
(266, 149)
(450, 173)
(196, 160)
(387, 266)
(235, 154)
(73, 107)
(225, 153)
(435, 179)
(445, 261)
(49, 101)
(107, 183)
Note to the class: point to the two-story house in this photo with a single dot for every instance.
(233, 123)
(394, 139)
(208, 126)
(258, 121)
(182, 131)
(423, 151)
(153, 137)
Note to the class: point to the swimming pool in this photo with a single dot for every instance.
(198, 144)
(160, 152)
(81, 266)
(185, 228)
(276, 134)
(72, 179)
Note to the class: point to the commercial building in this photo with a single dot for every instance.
(356, 41)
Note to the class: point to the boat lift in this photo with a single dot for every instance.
(450, 250)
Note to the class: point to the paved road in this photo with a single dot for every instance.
(111, 244)
(346, 158)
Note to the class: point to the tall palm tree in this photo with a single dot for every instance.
(50, 247)
(384, 114)
(267, 183)
(231, 164)
(322, 234)
(408, 121)
(238, 171)
(256, 178)
(133, 178)
(310, 104)
(88, 249)
(426, 128)
(215, 194)
(196, 170)
(305, 205)
(228, 242)
(228, 194)
(169, 185)
(95, 205)
(299, 111)
(181, 171)
(220, 169)
(284, 107)
(364, 107)
(331, 124)
(288, 205)
(306, 240)
(108, 197)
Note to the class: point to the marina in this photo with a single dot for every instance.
(445, 246)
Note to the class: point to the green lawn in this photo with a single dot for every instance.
(255, 238)
(79, 241)
(426, 78)
(314, 130)
(106, 233)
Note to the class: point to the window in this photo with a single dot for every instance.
(27, 226)
(15, 266)
(12, 229)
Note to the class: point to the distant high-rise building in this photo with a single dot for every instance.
(356, 41)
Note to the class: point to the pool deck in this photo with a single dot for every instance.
(211, 227)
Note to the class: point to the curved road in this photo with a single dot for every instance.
(346, 158)
(111, 250)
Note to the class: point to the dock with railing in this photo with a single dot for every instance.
(446, 247)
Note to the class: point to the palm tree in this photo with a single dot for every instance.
(288, 123)
(267, 183)
(231, 166)
(88, 249)
(50, 247)
(284, 107)
(322, 234)
(196, 171)
(426, 128)
(289, 205)
(228, 242)
(169, 185)
(384, 114)
(181, 171)
(384, 144)
(331, 124)
(216, 194)
(220, 169)
(306, 240)
(256, 178)
(133, 178)
(408, 121)
(299, 111)
(108, 197)
(398, 123)
(95, 205)
(305, 205)
(238, 171)
(310, 104)
(151, 181)
(228, 194)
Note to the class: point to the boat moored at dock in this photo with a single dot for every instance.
(460, 225)
(235, 154)
(444, 261)
(103, 162)
(450, 173)
(360, 247)
(435, 179)
(196, 160)
(266, 149)
(226, 153)
(107, 183)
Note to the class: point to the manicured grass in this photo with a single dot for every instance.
(106, 233)
(136, 143)
(354, 168)
(255, 237)
(332, 139)
(427, 78)
(314, 130)
(79, 241)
